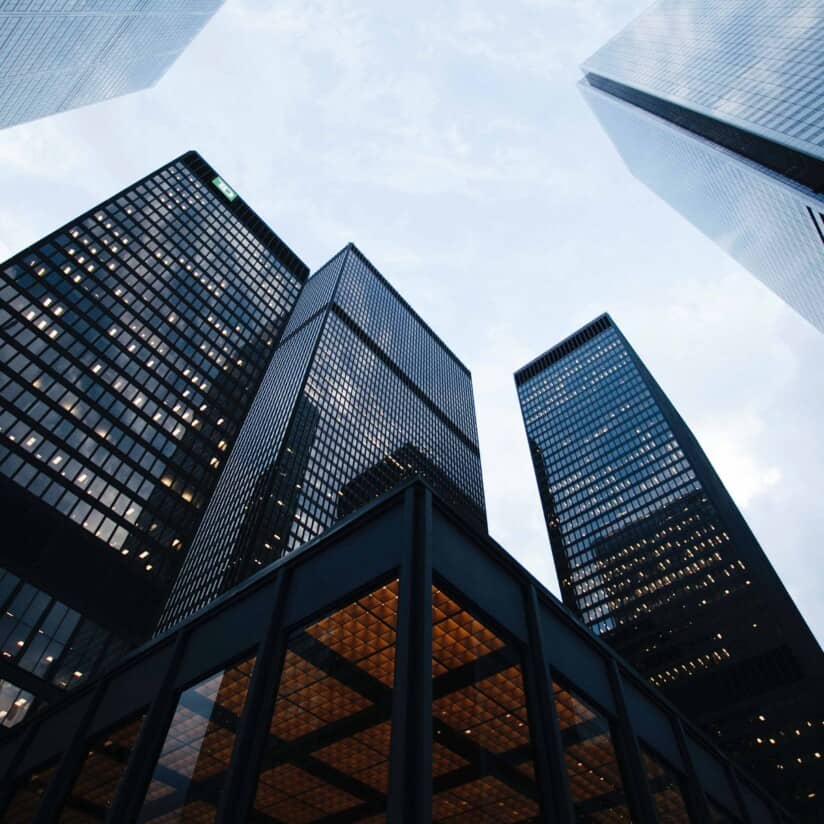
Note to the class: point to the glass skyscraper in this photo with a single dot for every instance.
(654, 556)
(359, 395)
(133, 342)
(717, 108)
(67, 53)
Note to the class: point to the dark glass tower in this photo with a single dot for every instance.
(360, 394)
(717, 108)
(133, 341)
(654, 556)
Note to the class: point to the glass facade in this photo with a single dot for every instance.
(753, 63)
(359, 395)
(94, 789)
(393, 671)
(328, 748)
(133, 340)
(716, 107)
(593, 769)
(654, 557)
(188, 778)
(67, 53)
(44, 638)
(482, 759)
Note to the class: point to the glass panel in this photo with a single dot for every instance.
(15, 702)
(592, 766)
(27, 797)
(718, 815)
(189, 774)
(482, 766)
(100, 775)
(665, 786)
(328, 748)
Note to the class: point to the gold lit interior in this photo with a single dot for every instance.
(666, 791)
(595, 781)
(482, 764)
(189, 774)
(27, 797)
(100, 775)
(328, 749)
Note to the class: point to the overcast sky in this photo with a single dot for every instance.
(449, 142)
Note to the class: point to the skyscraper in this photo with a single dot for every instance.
(359, 395)
(654, 556)
(717, 108)
(68, 53)
(133, 341)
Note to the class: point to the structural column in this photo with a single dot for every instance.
(410, 770)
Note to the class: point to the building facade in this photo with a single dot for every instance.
(359, 395)
(67, 53)
(401, 667)
(717, 108)
(133, 341)
(654, 556)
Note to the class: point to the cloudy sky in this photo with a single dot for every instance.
(449, 142)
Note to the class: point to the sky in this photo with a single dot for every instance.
(450, 143)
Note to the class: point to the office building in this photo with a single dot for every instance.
(654, 556)
(359, 395)
(133, 341)
(400, 667)
(717, 108)
(63, 54)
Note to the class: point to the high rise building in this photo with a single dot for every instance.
(63, 54)
(359, 395)
(717, 108)
(133, 340)
(654, 556)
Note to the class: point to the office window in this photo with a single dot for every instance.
(328, 747)
(482, 765)
(665, 786)
(595, 780)
(99, 777)
(27, 796)
(189, 774)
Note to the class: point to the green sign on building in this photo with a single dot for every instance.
(225, 189)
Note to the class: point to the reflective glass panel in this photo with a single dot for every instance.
(595, 780)
(26, 799)
(100, 775)
(482, 766)
(189, 774)
(665, 787)
(328, 748)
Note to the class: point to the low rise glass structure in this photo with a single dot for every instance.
(400, 667)
(653, 555)
(359, 395)
(132, 341)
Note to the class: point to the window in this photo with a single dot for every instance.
(328, 747)
(27, 797)
(99, 777)
(482, 764)
(595, 781)
(189, 774)
(665, 786)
